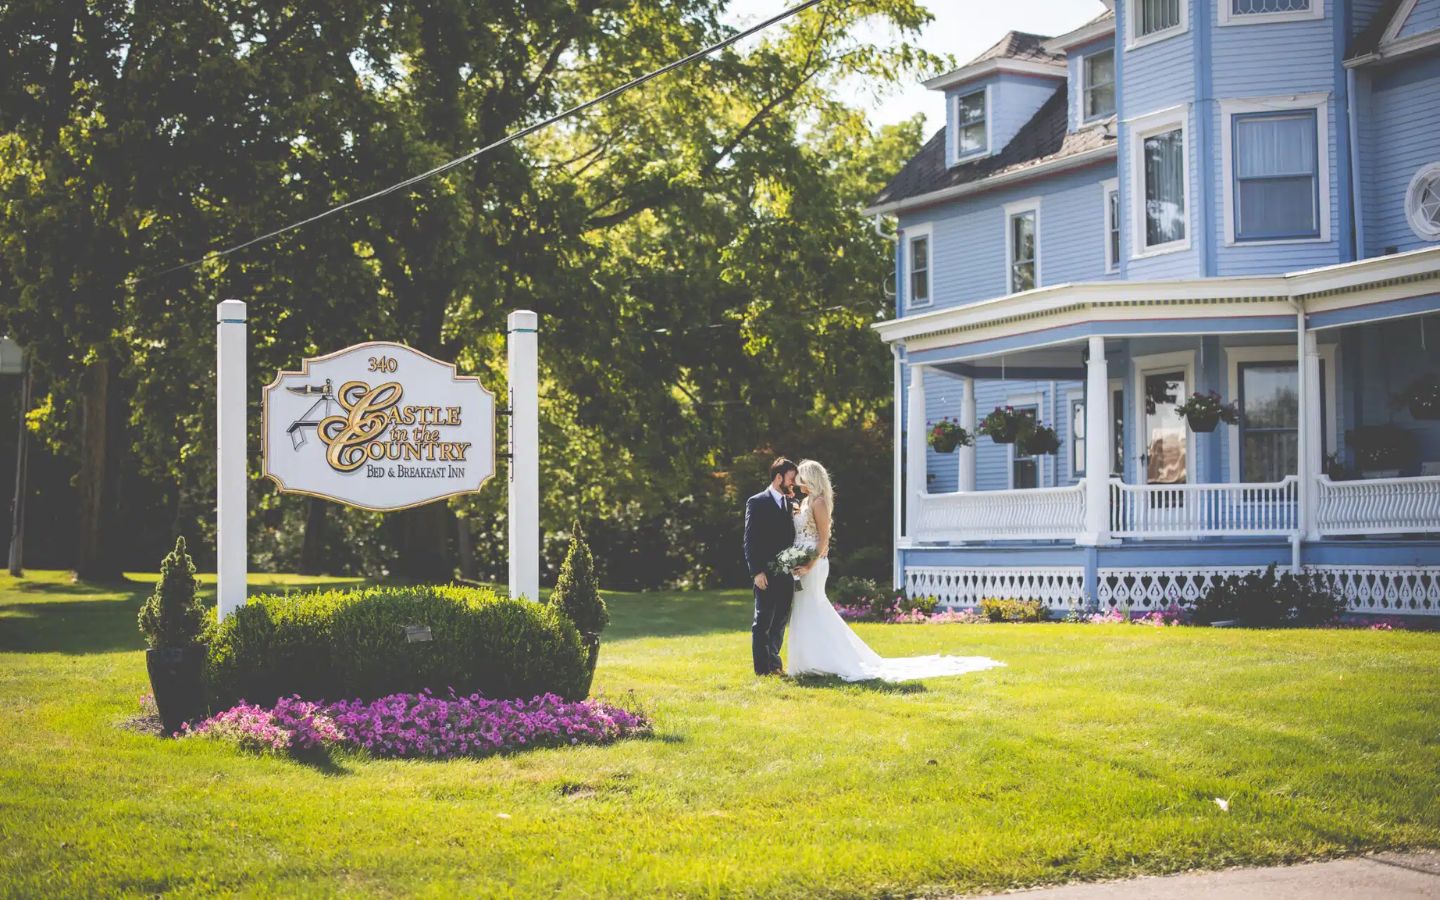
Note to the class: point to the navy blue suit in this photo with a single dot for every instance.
(769, 529)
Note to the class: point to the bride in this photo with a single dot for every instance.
(821, 643)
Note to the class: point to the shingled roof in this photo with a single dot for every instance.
(1019, 45)
(1044, 139)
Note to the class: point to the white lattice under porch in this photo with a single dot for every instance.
(1380, 590)
(1061, 587)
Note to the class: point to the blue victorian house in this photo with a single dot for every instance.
(1181, 196)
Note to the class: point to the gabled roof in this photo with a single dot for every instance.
(1380, 41)
(1041, 142)
(1017, 51)
(1098, 27)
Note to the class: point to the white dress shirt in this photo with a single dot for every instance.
(779, 497)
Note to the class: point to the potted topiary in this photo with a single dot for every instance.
(946, 434)
(172, 621)
(1422, 398)
(577, 595)
(1204, 411)
(1002, 424)
(1036, 439)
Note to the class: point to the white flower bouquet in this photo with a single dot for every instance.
(791, 559)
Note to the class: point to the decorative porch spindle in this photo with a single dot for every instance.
(915, 452)
(1097, 446)
(967, 421)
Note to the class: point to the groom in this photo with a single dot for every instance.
(769, 529)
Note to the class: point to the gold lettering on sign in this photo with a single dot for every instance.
(356, 437)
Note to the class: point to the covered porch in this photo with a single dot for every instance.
(1327, 453)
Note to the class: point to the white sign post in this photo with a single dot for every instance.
(230, 475)
(379, 426)
(522, 328)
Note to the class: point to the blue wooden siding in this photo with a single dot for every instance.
(1400, 132)
(1242, 65)
(1155, 77)
(967, 244)
(1424, 17)
(1012, 101)
(1361, 12)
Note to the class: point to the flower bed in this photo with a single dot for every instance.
(412, 726)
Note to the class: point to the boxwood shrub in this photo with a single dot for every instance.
(344, 645)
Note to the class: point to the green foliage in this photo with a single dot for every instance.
(346, 644)
(924, 603)
(171, 616)
(1001, 609)
(1270, 600)
(577, 593)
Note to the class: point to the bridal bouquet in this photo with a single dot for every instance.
(791, 559)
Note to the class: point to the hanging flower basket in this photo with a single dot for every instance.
(1037, 439)
(946, 434)
(1002, 425)
(1422, 398)
(1204, 411)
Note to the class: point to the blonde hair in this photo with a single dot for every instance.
(816, 482)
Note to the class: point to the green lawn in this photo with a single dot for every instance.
(1096, 753)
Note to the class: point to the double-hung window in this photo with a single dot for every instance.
(1154, 16)
(1099, 91)
(1022, 222)
(1277, 178)
(1111, 190)
(1270, 427)
(970, 124)
(919, 260)
(1160, 182)
(1024, 470)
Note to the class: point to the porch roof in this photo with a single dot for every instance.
(1331, 296)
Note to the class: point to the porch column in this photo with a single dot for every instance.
(1097, 446)
(967, 421)
(1311, 462)
(915, 452)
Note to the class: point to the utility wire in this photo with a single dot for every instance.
(510, 138)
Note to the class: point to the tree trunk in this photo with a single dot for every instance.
(99, 543)
(465, 548)
(312, 549)
(422, 543)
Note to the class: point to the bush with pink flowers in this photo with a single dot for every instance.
(423, 725)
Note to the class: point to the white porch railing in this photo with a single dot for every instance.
(1027, 514)
(1198, 510)
(1378, 505)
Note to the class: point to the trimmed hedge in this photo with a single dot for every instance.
(343, 645)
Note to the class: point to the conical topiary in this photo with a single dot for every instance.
(577, 594)
(171, 616)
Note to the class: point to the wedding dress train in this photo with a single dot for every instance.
(822, 643)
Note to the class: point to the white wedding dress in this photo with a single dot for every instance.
(822, 643)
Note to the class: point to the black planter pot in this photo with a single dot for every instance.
(176, 678)
(1005, 437)
(1423, 412)
(592, 657)
(1203, 423)
(943, 446)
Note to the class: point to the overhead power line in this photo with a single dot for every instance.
(508, 139)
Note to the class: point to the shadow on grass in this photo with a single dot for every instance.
(71, 626)
(875, 685)
(677, 614)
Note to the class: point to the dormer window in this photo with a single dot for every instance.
(970, 124)
(1099, 85)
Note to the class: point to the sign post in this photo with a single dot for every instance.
(522, 328)
(231, 477)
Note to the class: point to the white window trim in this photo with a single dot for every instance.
(1018, 401)
(1180, 359)
(1072, 398)
(1132, 26)
(1080, 118)
(1234, 356)
(1320, 103)
(1142, 127)
(1225, 17)
(925, 230)
(1397, 22)
(1112, 266)
(1423, 229)
(1030, 205)
(954, 136)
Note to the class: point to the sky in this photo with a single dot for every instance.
(961, 28)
